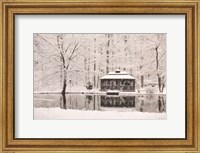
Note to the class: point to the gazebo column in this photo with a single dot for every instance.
(111, 84)
(134, 85)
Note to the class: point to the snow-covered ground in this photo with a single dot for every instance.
(58, 113)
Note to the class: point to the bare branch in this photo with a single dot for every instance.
(49, 75)
(46, 41)
(67, 48)
(161, 56)
(74, 49)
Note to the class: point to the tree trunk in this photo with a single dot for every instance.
(98, 81)
(157, 66)
(94, 80)
(64, 81)
(94, 102)
(161, 84)
(85, 70)
(157, 61)
(63, 92)
(142, 81)
(107, 54)
(161, 104)
(94, 77)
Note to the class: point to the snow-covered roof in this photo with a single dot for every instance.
(118, 75)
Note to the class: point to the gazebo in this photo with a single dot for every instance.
(118, 80)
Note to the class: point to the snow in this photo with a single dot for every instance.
(112, 91)
(97, 92)
(118, 75)
(95, 58)
(58, 113)
(114, 76)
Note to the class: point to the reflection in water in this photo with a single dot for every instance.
(142, 103)
(118, 101)
(161, 104)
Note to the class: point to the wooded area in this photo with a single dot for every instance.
(65, 62)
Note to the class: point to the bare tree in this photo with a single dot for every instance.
(161, 78)
(66, 55)
(108, 54)
(61, 53)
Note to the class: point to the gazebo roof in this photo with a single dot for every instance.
(118, 75)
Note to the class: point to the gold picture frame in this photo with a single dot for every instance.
(9, 8)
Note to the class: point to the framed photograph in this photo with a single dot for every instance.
(99, 76)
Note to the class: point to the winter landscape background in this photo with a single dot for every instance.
(72, 65)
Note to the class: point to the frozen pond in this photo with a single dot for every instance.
(139, 103)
